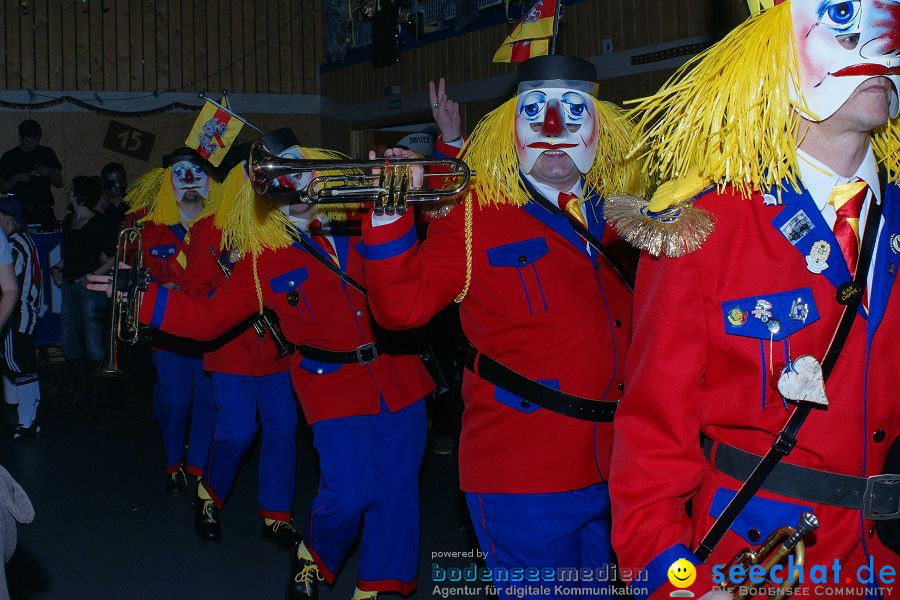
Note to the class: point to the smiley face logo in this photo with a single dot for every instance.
(682, 573)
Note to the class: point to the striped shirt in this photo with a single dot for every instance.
(28, 275)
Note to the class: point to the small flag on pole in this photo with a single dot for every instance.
(531, 35)
(213, 132)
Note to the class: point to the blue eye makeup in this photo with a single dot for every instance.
(575, 105)
(839, 15)
(532, 104)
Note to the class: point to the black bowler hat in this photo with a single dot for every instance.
(280, 140)
(574, 72)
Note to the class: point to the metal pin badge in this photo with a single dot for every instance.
(773, 325)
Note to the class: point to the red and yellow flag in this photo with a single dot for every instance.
(531, 34)
(213, 132)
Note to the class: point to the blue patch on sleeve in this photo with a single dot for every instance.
(388, 249)
(770, 316)
(761, 514)
(518, 254)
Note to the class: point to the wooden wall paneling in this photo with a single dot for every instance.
(284, 47)
(309, 45)
(319, 27)
(4, 38)
(175, 46)
(668, 23)
(236, 28)
(26, 45)
(212, 44)
(274, 27)
(222, 76)
(260, 47)
(200, 16)
(41, 45)
(296, 46)
(191, 25)
(109, 44)
(82, 44)
(246, 57)
(163, 79)
(68, 46)
(147, 47)
(135, 45)
(95, 45)
(122, 49)
(54, 46)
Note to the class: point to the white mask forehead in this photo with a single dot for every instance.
(556, 119)
(186, 176)
(297, 181)
(841, 44)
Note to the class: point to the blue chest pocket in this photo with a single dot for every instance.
(518, 254)
(163, 252)
(770, 316)
(290, 281)
(523, 256)
(760, 517)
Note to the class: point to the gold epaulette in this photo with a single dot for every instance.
(668, 224)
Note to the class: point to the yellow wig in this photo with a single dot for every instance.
(491, 152)
(152, 193)
(726, 116)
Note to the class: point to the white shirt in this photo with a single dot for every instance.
(820, 180)
(303, 224)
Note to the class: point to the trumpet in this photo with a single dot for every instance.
(781, 542)
(124, 325)
(261, 323)
(349, 181)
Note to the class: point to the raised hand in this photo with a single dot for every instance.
(445, 111)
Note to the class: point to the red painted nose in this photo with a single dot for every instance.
(553, 120)
(189, 176)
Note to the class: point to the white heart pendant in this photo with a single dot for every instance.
(802, 381)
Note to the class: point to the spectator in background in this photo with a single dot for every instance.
(28, 171)
(86, 249)
(20, 380)
(112, 200)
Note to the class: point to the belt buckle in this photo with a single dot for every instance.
(886, 479)
(367, 353)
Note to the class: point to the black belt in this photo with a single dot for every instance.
(533, 392)
(877, 496)
(362, 355)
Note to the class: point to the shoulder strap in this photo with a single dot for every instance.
(786, 440)
(329, 264)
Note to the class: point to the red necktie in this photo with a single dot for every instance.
(568, 203)
(847, 200)
(315, 232)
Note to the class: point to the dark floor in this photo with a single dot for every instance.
(105, 528)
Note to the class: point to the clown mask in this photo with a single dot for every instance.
(840, 45)
(188, 176)
(295, 182)
(556, 119)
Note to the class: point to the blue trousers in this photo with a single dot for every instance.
(84, 314)
(370, 479)
(183, 393)
(560, 530)
(238, 398)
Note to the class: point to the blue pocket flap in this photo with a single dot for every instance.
(319, 368)
(518, 254)
(761, 514)
(770, 316)
(290, 281)
(163, 251)
(519, 403)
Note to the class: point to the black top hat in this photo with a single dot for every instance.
(280, 140)
(577, 72)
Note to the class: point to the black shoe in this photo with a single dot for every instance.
(304, 578)
(206, 521)
(26, 432)
(176, 482)
(282, 533)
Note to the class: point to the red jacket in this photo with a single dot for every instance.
(327, 314)
(539, 304)
(703, 361)
(240, 351)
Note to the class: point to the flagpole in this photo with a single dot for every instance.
(559, 5)
(230, 112)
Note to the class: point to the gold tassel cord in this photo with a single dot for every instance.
(467, 228)
(728, 110)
